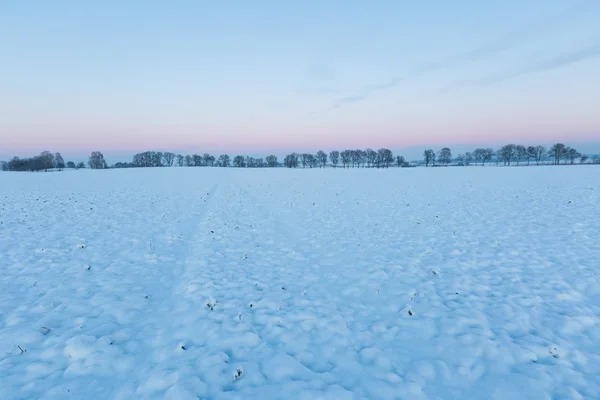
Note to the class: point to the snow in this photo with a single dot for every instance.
(207, 283)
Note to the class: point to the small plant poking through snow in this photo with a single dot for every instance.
(237, 374)
(211, 304)
(553, 351)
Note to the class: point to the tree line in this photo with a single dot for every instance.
(509, 154)
(383, 158)
(47, 160)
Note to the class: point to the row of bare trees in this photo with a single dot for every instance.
(383, 158)
(47, 160)
(508, 154)
(42, 162)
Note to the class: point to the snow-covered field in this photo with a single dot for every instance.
(193, 283)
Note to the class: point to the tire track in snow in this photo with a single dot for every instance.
(245, 304)
(154, 337)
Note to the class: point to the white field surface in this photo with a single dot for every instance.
(163, 283)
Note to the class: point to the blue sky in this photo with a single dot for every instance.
(258, 76)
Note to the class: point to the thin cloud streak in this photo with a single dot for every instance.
(366, 92)
(510, 40)
(498, 46)
(561, 60)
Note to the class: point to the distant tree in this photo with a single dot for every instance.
(321, 158)
(312, 161)
(272, 161)
(356, 157)
(488, 155)
(530, 154)
(385, 158)
(304, 159)
(460, 159)
(157, 159)
(208, 160)
(189, 161)
(97, 161)
(4, 165)
(334, 156)
(196, 160)
(400, 161)
(46, 160)
(540, 153)
(291, 160)
(429, 157)
(370, 157)
(71, 165)
(468, 158)
(81, 165)
(168, 158)
(572, 154)
(583, 159)
(180, 160)
(239, 162)
(520, 153)
(557, 151)
(59, 162)
(250, 162)
(224, 160)
(346, 157)
(445, 156)
(508, 153)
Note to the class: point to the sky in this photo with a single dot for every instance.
(274, 76)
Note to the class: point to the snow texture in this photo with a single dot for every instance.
(194, 283)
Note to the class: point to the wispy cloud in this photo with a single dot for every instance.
(562, 60)
(366, 92)
(510, 40)
(503, 44)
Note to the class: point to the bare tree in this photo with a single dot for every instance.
(196, 160)
(508, 153)
(445, 156)
(583, 159)
(334, 156)
(468, 158)
(224, 161)
(429, 157)
(272, 161)
(291, 160)
(208, 160)
(97, 161)
(400, 161)
(557, 151)
(59, 162)
(189, 161)
(540, 152)
(312, 161)
(239, 162)
(572, 154)
(346, 157)
(371, 157)
(520, 153)
(168, 158)
(180, 160)
(81, 165)
(530, 154)
(385, 158)
(321, 158)
(71, 165)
